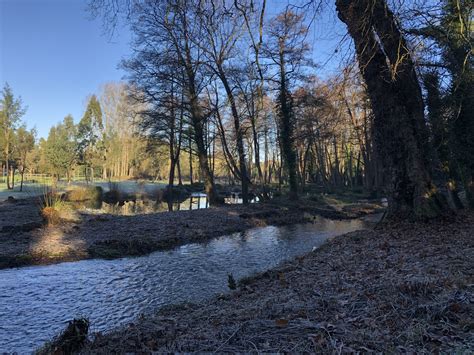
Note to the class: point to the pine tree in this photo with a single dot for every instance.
(90, 137)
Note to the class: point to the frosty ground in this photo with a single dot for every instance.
(25, 240)
(405, 287)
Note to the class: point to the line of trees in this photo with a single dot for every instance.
(16, 141)
(219, 82)
(230, 80)
(104, 144)
(220, 91)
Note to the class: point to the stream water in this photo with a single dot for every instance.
(36, 302)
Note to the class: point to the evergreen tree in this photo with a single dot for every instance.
(90, 133)
(60, 149)
(287, 50)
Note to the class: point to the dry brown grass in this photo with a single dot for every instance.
(51, 205)
(84, 193)
(51, 215)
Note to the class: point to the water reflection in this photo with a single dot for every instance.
(140, 204)
(195, 201)
(35, 302)
(235, 199)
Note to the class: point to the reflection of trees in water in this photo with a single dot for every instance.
(195, 201)
(191, 203)
(144, 206)
(134, 207)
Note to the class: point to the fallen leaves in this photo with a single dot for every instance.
(405, 288)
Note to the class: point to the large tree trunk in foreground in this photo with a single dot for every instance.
(401, 135)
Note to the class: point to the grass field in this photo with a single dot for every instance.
(34, 186)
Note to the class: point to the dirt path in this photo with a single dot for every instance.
(406, 288)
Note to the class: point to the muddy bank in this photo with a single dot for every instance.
(111, 236)
(404, 288)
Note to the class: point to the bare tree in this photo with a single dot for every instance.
(164, 33)
(221, 34)
(287, 50)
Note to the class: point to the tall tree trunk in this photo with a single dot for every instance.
(400, 132)
(13, 178)
(180, 178)
(286, 130)
(336, 169)
(197, 121)
(267, 175)
(191, 179)
(7, 165)
(171, 172)
(22, 177)
(256, 147)
(244, 179)
(8, 174)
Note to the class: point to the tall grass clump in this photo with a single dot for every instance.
(51, 204)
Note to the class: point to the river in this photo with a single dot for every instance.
(36, 302)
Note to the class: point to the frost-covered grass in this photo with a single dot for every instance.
(403, 288)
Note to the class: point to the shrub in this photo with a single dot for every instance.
(114, 194)
(85, 193)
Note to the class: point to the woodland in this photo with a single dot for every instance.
(228, 102)
(217, 91)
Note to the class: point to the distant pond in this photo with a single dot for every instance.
(195, 201)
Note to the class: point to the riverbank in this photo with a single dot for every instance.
(407, 287)
(25, 241)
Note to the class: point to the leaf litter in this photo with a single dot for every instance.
(404, 287)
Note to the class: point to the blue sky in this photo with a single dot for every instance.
(53, 56)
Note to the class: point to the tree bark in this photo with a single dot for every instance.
(197, 120)
(7, 165)
(191, 179)
(22, 177)
(286, 130)
(400, 132)
(244, 179)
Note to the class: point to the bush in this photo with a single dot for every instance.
(51, 215)
(85, 193)
(196, 187)
(175, 193)
(114, 194)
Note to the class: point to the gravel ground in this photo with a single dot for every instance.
(406, 287)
